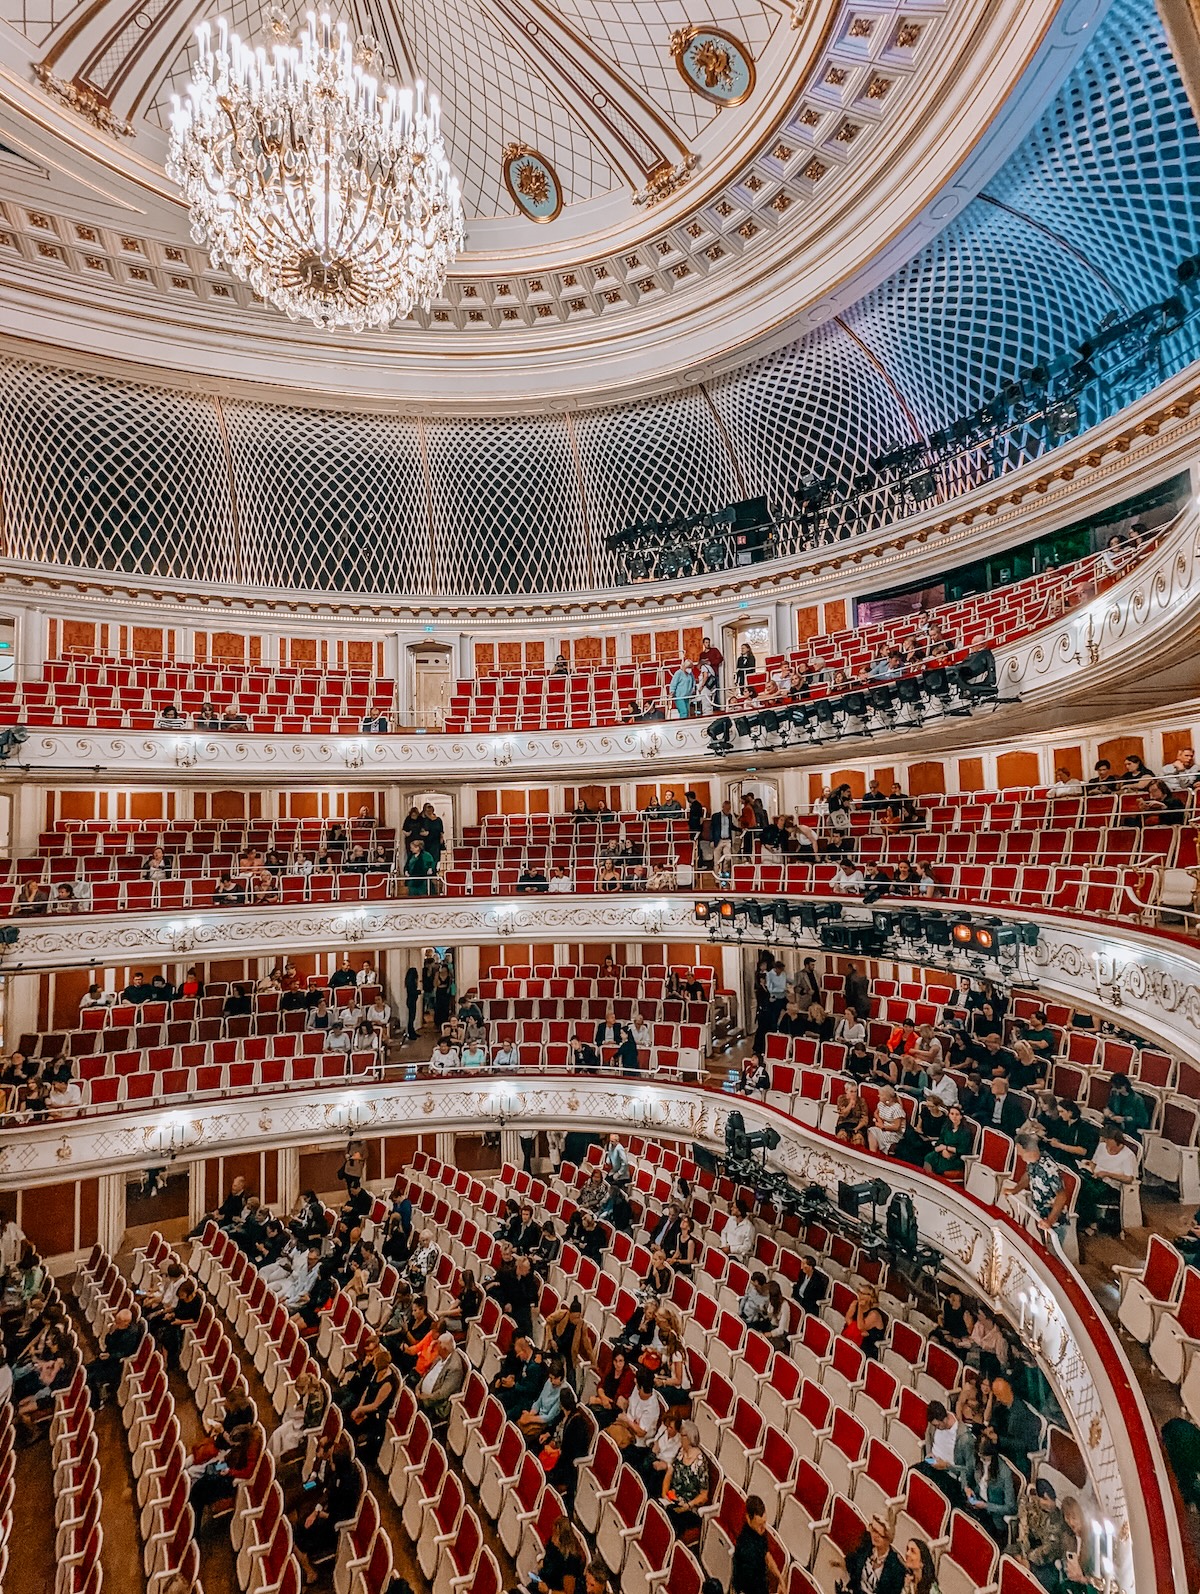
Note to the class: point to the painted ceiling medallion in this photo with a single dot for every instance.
(714, 64)
(532, 182)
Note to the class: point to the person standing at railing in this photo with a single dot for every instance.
(419, 868)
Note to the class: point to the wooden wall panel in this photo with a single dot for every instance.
(1118, 748)
(854, 778)
(808, 623)
(227, 805)
(927, 779)
(89, 1213)
(1070, 758)
(70, 985)
(78, 636)
(587, 650)
(539, 801)
(816, 785)
(970, 774)
(535, 655)
(77, 804)
(1174, 743)
(485, 657)
(835, 614)
(227, 646)
(509, 655)
(641, 649)
(147, 805)
(886, 777)
(487, 802)
(48, 1218)
(512, 802)
(299, 652)
(148, 642)
(1018, 768)
(361, 656)
(693, 641)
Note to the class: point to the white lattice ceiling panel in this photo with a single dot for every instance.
(329, 500)
(636, 35)
(113, 475)
(1113, 166)
(506, 506)
(818, 408)
(653, 462)
(990, 297)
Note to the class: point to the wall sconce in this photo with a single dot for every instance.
(503, 918)
(187, 755)
(353, 755)
(167, 1140)
(353, 926)
(349, 1115)
(502, 754)
(649, 744)
(183, 936)
(653, 917)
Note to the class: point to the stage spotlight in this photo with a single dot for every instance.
(720, 735)
(977, 676)
(912, 926)
(743, 725)
(701, 912)
(962, 934)
(936, 682)
(823, 712)
(924, 486)
(937, 930)
(1062, 419)
(884, 924)
(715, 554)
(855, 708)
(1006, 937)
(750, 912)
(768, 722)
(11, 739)
(9, 935)
(983, 936)
(781, 912)
(725, 911)
(670, 564)
(883, 702)
(911, 700)
(1030, 934)
(637, 566)
(809, 916)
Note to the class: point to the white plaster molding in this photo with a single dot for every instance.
(1147, 981)
(1144, 619)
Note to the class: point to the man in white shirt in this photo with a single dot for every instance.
(1065, 784)
(301, 1278)
(737, 1237)
(942, 1085)
(506, 1058)
(95, 996)
(948, 1451)
(379, 1015)
(561, 883)
(445, 1058)
(65, 1097)
(848, 878)
(776, 982)
(1183, 772)
(1113, 1165)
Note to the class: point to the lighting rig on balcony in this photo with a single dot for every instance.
(1036, 410)
(941, 692)
(962, 942)
(12, 737)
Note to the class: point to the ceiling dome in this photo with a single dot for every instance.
(654, 194)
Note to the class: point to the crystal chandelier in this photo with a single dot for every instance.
(333, 200)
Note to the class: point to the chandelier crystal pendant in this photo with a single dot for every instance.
(332, 198)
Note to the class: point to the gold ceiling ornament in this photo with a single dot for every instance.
(533, 184)
(665, 180)
(84, 100)
(714, 64)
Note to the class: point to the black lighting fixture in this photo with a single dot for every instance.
(976, 677)
(12, 737)
(1062, 419)
(9, 935)
(741, 1143)
(702, 912)
(720, 735)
